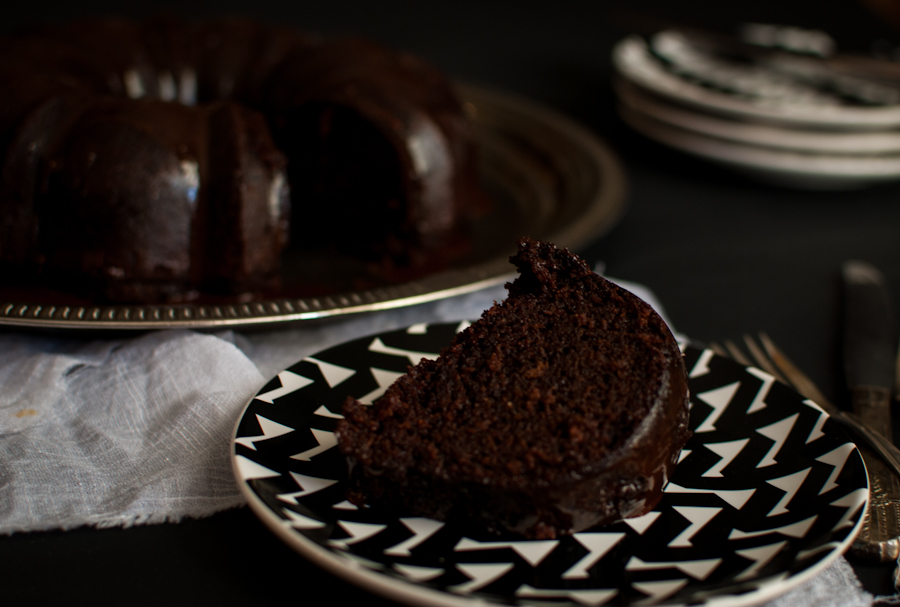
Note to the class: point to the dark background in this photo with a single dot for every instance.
(726, 256)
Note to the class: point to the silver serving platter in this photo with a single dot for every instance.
(551, 178)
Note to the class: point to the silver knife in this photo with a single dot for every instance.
(870, 345)
(870, 350)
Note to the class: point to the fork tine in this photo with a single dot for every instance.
(773, 361)
(763, 358)
(801, 382)
(805, 386)
(763, 361)
(719, 350)
(736, 353)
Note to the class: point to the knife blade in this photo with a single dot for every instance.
(870, 344)
(870, 350)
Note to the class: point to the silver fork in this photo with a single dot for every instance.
(879, 538)
(768, 357)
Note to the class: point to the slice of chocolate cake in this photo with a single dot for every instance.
(563, 407)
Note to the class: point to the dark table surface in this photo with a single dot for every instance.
(725, 255)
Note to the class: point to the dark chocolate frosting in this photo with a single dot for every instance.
(187, 148)
(563, 407)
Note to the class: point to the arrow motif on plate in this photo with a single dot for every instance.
(701, 367)
(480, 575)
(414, 357)
(760, 557)
(727, 451)
(290, 382)
(269, 429)
(299, 521)
(418, 573)
(852, 502)
(642, 523)
(699, 569)
(777, 432)
(698, 517)
(422, 529)
(250, 470)
(308, 485)
(322, 411)
(816, 433)
(796, 530)
(597, 544)
(658, 591)
(326, 441)
(333, 374)
(719, 400)
(736, 498)
(533, 551)
(590, 598)
(373, 565)
(384, 380)
(358, 532)
(836, 459)
(790, 484)
(759, 401)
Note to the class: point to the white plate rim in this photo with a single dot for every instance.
(851, 144)
(787, 167)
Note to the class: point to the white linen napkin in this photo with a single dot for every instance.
(136, 430)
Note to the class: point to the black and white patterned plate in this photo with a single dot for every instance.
(767, 493)
(671, 65)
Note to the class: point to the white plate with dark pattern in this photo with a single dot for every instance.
(768, 492)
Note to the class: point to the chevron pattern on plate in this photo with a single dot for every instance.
(768, 491)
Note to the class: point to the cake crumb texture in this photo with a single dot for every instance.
(563, 406)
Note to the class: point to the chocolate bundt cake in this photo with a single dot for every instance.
(147, 161)
(563, 407)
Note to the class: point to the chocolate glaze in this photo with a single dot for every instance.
(564, 407)
(221, 103)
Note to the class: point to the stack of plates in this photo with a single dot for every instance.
(809, 119)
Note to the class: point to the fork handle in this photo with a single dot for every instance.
(872, 405)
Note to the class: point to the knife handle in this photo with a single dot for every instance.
(872, 405)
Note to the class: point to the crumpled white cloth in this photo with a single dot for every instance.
(131, 430)
(135, 430)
